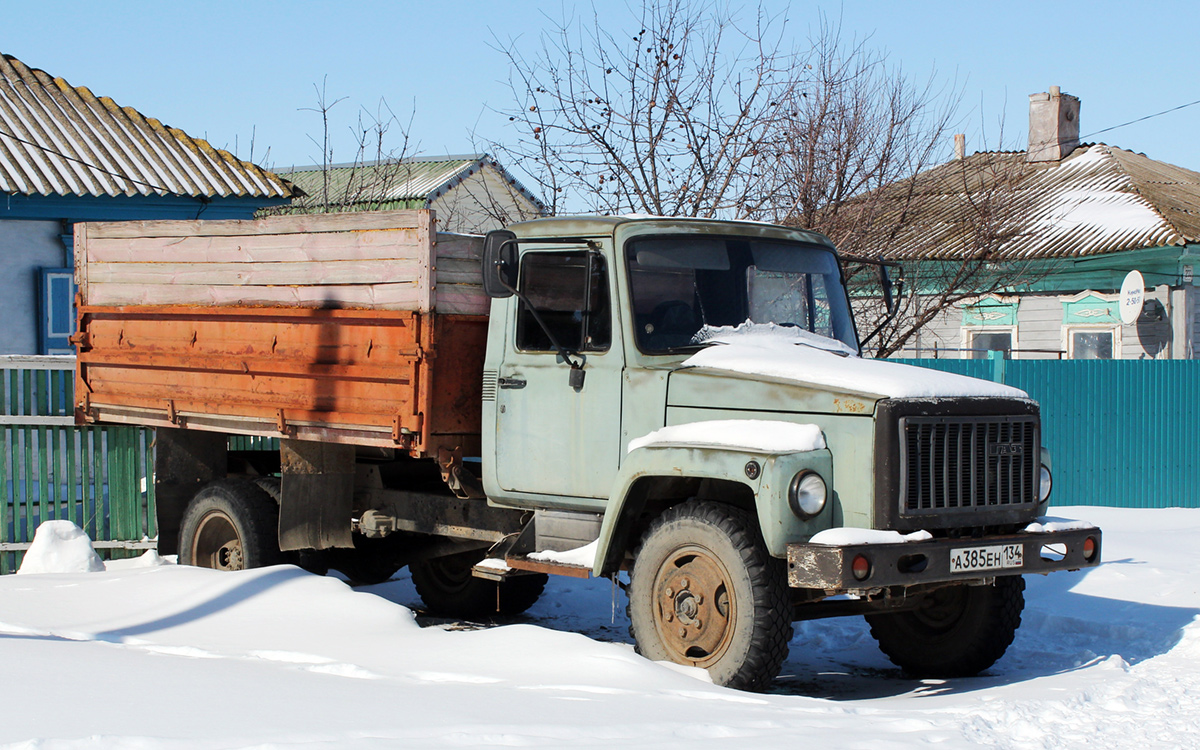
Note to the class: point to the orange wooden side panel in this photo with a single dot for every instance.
(387, 378)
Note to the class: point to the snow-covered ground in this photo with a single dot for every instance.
(148, 655)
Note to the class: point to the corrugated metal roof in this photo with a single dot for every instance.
(409, 179)
(1100, 199)
(58, 139)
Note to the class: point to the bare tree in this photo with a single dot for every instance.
(953, 227)
(668, 119)
(695, 113)
(376, 168)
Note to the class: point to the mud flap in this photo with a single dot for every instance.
(317, 495)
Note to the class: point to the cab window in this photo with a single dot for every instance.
(569, 291)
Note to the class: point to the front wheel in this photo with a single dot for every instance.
(230, 525)
(956, 631)
(705, 593)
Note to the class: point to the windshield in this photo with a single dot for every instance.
(682, 284)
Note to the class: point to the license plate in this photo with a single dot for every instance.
(998, 557)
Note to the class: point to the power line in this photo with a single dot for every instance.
(88, 164)
(1140, 119)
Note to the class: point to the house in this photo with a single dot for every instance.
(68, 156)
(469, 194)
(1080, 218)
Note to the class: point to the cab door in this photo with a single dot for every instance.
(554, 434)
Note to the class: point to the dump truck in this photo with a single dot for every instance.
(678, 405)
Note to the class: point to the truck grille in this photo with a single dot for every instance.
(949, 463)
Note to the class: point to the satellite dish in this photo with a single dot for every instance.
(1132, 297)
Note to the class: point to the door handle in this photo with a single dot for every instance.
(511, 383)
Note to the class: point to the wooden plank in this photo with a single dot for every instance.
(27, 497)
(80, 249)
(41, 451)
(308, 273)
(395, 296)
(87, 439)
(6, 490)
(74, 503)
(151, 508)
(462, 299)
(103, 364)
(291, 224)
(459, 271)
(280, 248)
(425, 268)
(332, 402)
(458, 246)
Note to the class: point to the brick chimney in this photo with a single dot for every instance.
(1053, 125)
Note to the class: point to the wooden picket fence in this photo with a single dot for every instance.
(99, 477)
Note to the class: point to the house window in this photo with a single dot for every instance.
(1093, 343)
(981, 341)
(989, 324)
(1091, 326)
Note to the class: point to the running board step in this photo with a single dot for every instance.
(549, 567)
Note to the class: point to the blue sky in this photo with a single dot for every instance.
(226, 70)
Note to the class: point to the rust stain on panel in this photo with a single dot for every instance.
(345, 373)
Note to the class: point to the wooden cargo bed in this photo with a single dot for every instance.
(329, 327)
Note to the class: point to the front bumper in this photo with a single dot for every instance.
(818, 566)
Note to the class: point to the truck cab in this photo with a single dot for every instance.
(650, 374)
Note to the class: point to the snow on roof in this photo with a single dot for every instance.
(784, 354)
(1099, 199)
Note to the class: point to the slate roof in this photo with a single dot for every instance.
(420, 179)
(59, 139)
(1099, 199)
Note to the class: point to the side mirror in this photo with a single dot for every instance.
(500, 263)
(885, 283)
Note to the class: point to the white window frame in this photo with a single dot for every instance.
(968, 336)
(1068, 343)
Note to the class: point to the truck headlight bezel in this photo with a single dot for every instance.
(1045, 484)
(807, 494)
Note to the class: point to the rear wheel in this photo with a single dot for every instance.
(370, 561)
(447, 587)
(957, 631)
(704, 592)
(230, 525)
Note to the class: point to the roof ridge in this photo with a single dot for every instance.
(1135, 186)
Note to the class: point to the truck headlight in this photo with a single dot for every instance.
(806, 494)
(1045, 484)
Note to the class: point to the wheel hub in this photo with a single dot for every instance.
(230, 557)
(694, 610)
(217, 544)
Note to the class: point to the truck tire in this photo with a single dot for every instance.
(957, 631)
(448, 588)
(371, 561)
(230, 525)
(705, 593)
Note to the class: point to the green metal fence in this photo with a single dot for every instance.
(98, 477)
(1122, 433)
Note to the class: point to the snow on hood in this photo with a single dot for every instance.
(754, 435)
(796, 355)
(764, 333)
(60, 547)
